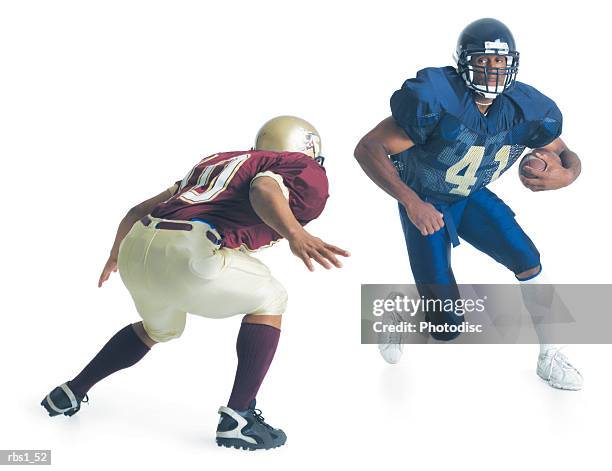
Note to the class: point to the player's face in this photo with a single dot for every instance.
(489, 69)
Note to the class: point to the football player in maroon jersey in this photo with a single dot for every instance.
(186, 250)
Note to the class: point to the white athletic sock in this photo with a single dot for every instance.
(538, 303)
(545, 347)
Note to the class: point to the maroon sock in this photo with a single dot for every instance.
(124, 349)
(255, 347)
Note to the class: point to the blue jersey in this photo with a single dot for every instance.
(458, 150)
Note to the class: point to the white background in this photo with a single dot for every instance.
(105, 104)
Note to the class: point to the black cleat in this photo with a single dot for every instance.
(247, 430)
(63, 401)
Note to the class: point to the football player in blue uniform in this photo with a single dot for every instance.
(453, 130)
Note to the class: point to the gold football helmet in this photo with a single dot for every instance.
(290, 134)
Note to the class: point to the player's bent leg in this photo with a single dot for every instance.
(123, 350)
(141, 254)
(490, 226)
(430, 261)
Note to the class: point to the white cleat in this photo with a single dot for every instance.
(559, 373)
(391, 352)
(390, 343)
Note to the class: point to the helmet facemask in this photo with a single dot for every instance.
(488, 82)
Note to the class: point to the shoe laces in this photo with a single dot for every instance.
(260, 418)
(556, 356)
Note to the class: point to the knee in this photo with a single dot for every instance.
(164, 335)
(265, 319)
(277, 300)
(143, 335)
(529, 274)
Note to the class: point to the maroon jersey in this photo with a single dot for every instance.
(217, 190)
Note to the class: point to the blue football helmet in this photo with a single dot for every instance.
(487, 37)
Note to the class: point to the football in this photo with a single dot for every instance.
(531, 161)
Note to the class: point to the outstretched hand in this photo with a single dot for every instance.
(308, 247)
(111, 266)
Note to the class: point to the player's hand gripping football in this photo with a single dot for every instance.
(111, 266)
(308, 247)
(424, 216)
(553, 177)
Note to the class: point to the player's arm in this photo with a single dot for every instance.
(372, 153)
(272, 206)
(133, 215)
(555, 175)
